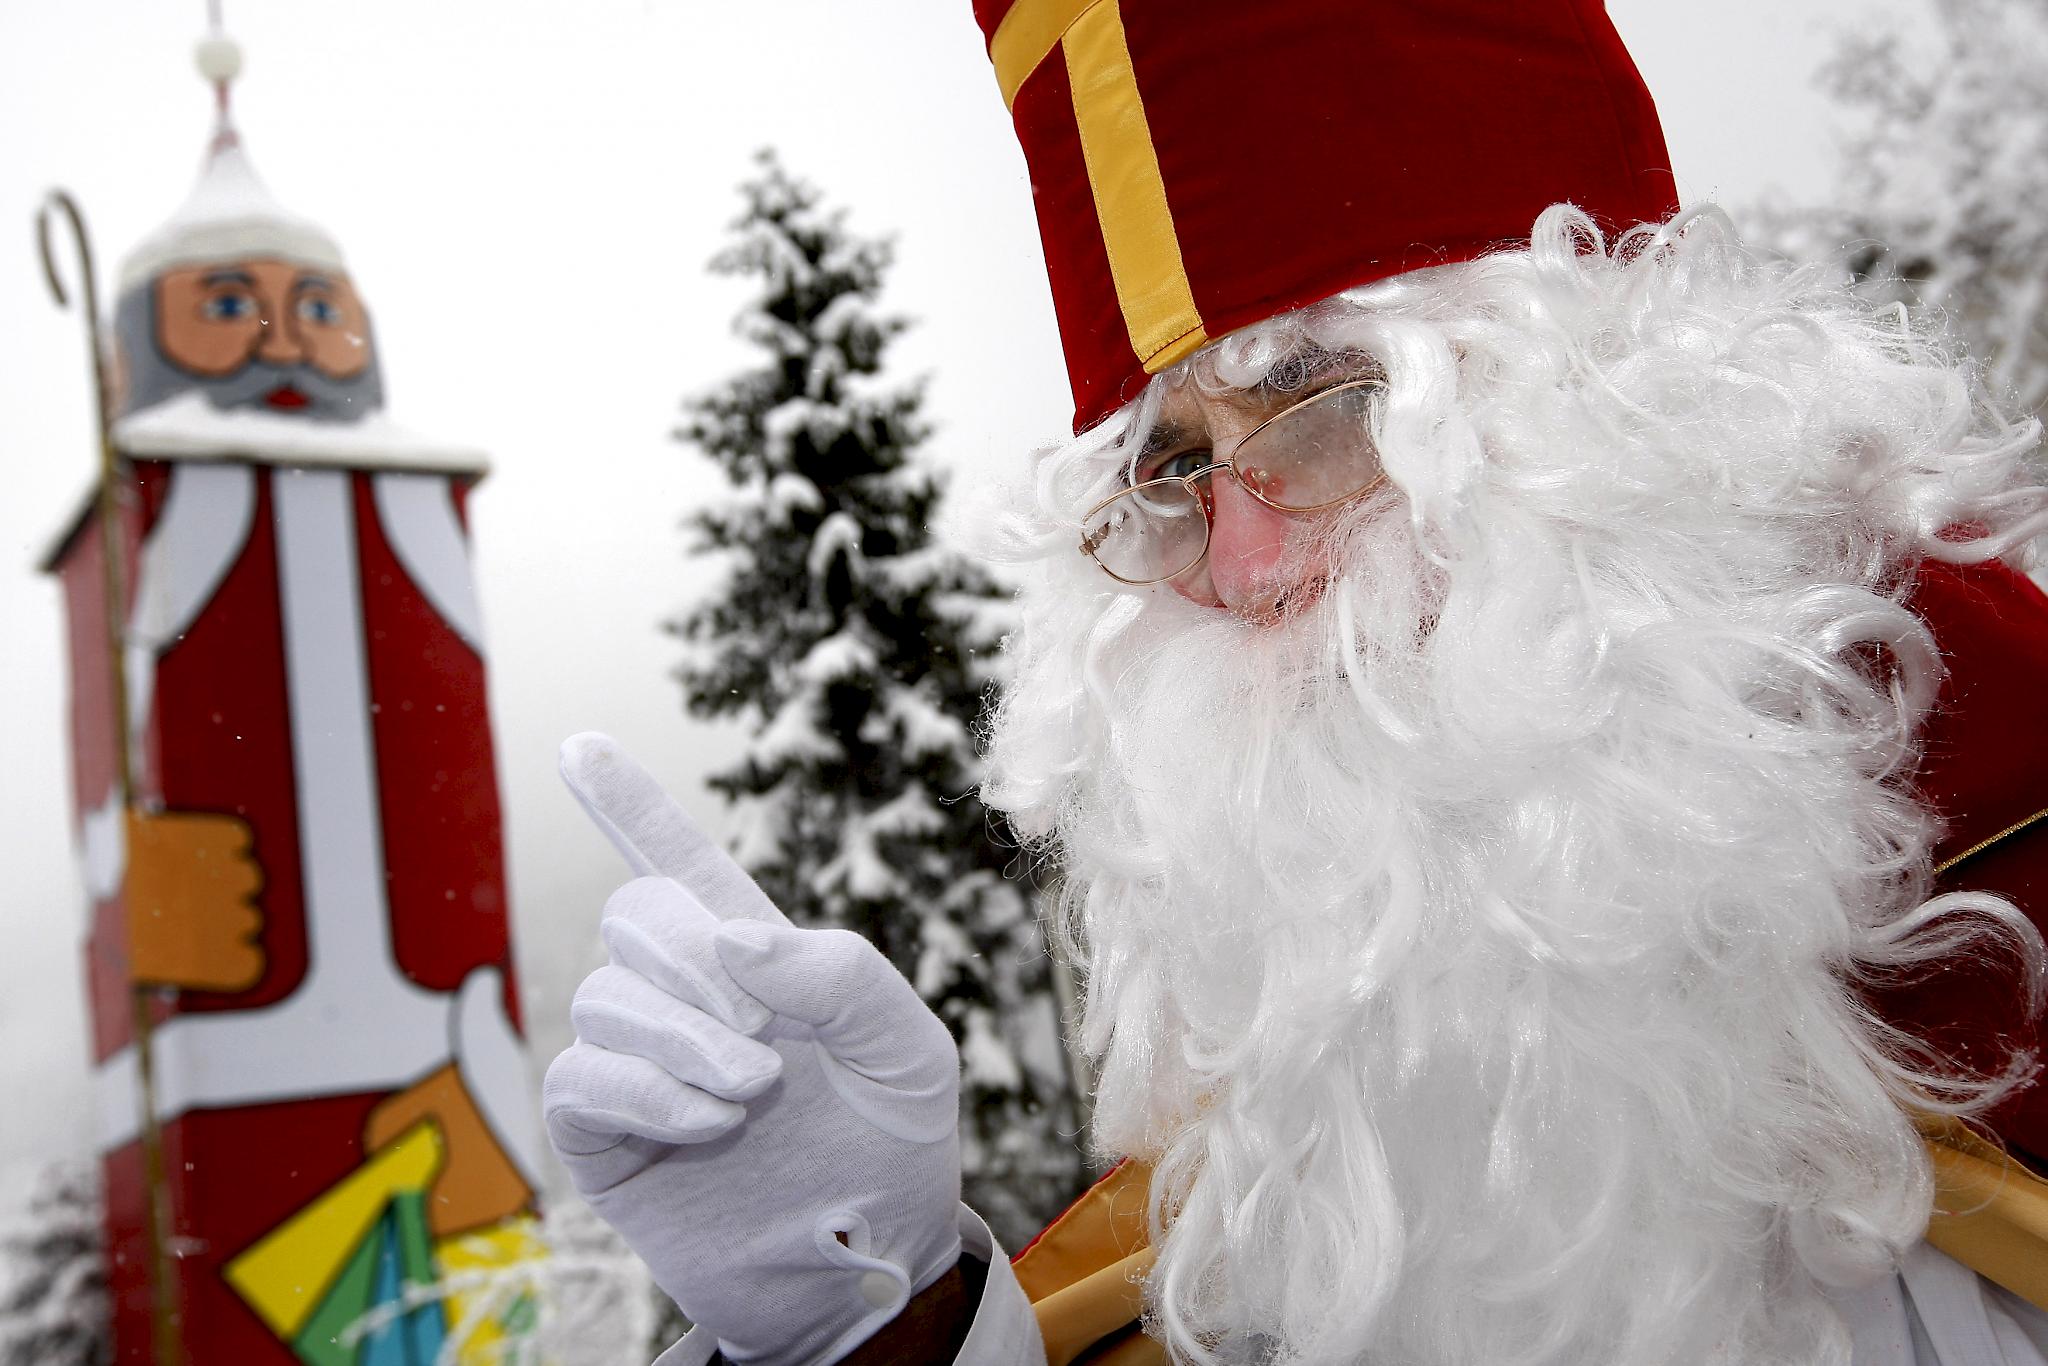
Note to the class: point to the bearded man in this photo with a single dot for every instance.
(1536, 734)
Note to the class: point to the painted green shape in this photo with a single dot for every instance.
(318, 1343)
(415, 1241)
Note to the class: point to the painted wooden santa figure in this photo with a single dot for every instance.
(323, 1092)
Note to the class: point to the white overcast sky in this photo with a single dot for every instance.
(527, 191)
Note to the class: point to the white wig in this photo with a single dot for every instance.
(1477, 952)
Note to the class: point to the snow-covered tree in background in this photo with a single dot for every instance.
(53, 1281)
(859, 652)
(1943, 195)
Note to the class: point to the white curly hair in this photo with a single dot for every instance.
(1476, 952)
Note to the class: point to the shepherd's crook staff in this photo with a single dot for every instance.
(163, 1274)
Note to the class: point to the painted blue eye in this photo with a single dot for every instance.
(315, 309)
(228, 306)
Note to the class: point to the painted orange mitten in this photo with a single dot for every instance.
(192, 880)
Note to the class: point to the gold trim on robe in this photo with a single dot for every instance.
(1085, 1274)
(1990, 1213)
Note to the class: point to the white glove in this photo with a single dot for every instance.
(768, 1115)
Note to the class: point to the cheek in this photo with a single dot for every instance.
(205, 346)
(338, 349)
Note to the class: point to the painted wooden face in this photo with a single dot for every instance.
(257, 333)
(213, 320)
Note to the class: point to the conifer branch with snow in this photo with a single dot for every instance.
(1943, 195)
(54, 1309)
(859, 654)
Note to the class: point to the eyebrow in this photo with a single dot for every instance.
(1311, 366)
(227, 277)
(1281, 386)
(314, 282)
(1163, 436)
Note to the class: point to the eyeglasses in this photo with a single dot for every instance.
(1307, 457)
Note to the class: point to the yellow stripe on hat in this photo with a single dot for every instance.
(1130, 196)
(1027, 35)
(1123, 167)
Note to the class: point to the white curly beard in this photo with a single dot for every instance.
(1471, 951)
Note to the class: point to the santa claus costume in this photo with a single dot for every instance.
(1565, 900)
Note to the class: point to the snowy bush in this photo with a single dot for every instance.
(54, 1309)
(579, 1297)
(598, 1307)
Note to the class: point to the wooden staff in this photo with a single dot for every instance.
(114, 582)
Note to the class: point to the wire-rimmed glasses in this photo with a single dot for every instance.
(1312, 455)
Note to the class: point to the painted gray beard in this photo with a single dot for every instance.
(151, 379)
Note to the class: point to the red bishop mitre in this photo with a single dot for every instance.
(1199, 165)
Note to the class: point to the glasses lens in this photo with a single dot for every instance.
(1148, 533)
(1316, 454)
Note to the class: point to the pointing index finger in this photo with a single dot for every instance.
(653, 834)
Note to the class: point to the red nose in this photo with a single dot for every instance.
(284, 396)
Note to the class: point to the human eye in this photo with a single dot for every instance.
(317, 308)
(1179, 465)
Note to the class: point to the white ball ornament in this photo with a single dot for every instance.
(219, 57)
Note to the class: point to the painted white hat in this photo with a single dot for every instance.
(230, 215)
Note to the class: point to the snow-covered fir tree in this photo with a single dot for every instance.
(1943, 194)
(54, 1309)
(860, 652)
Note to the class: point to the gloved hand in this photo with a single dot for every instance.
(768, 1115)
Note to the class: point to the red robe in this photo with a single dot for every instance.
(1984, 770)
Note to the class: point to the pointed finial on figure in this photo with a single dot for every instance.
(220, 61)
(237, 300)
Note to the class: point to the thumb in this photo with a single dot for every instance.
(652, 833)
(889, 1058)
